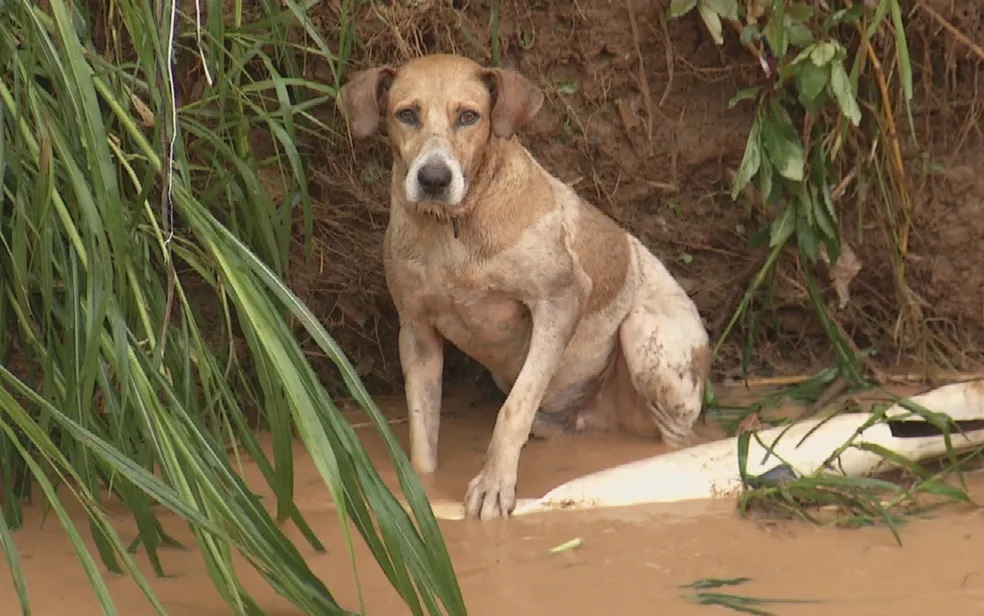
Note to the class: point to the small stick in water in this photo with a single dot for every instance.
(567, 546)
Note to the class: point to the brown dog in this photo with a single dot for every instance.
(573, 316)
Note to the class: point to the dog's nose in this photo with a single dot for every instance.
(434, 178)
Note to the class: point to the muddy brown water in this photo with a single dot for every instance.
(631, 561)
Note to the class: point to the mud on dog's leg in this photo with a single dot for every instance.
(668, 357)
(492, 493)
(422, 361)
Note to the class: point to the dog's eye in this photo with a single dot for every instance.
(408, 116)
(467, 118)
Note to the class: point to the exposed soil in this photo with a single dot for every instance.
(637, 118)
(631, 560)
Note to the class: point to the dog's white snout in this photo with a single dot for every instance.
(435, 175)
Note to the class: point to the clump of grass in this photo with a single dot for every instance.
(827, 497)
(140, 244)
(810, 392)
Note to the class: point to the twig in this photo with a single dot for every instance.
(896, 152)
(668, 43)
(885, 378)
(781, 381)
(960, 36)
(643, 81)
(833, 390)
(938, 376)
(950, 106)
(752, 48)
(392, 422)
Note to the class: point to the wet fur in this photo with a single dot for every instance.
(577, 321)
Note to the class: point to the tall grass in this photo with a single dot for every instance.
(139, 241)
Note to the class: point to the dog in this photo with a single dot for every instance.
(580, 325)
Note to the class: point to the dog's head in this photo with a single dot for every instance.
(440, 112)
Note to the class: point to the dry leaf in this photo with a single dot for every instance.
(843, 272)
(146, 115)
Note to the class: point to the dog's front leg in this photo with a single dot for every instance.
(493, 492)
(422, 360)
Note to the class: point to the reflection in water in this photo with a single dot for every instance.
(631, 561)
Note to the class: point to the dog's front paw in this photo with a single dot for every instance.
(492, 493)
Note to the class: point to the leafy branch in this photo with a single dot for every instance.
(806, 112)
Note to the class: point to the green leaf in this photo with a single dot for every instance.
(749, 34)
(823, 221)
(942, 488)
(849, 15)
(704, 583)
(798, 11)
(799, 35)
(803, 55)
(743, 95)
(744, 440)
(896, 459)
(782, 143)
(840, 85)
(811, 81)
(826, 200)
(713, 22)
(752, 159)
(881, 10)
(823, 53)
(806, 237)
(735, 603)
(766, 184)
(824, 215)
(782, 227)
(727, 9)
(775, 31)
(902, 45)
(678, 8)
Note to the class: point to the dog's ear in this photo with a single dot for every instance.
(515, 100)
(361, 98)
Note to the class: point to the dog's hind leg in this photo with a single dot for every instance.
(546, 424)
(665, 347)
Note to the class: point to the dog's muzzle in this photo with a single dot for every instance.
(435, 176)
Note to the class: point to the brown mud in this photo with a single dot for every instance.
(630, 561)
